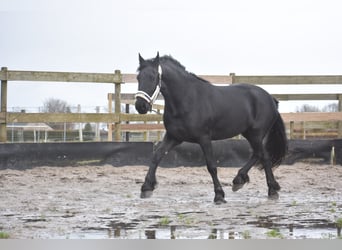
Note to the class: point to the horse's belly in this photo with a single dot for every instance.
(223, 130)
(192, 132)
(219, 134)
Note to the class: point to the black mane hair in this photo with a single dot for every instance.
(167, 59)
(170, 59)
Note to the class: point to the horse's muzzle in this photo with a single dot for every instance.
(142, 106)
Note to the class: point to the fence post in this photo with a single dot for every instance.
(127, 122)
(232, 75)
(146, 133)
(118, 82)
(291, 129)
(3, 123)
(302, 124)
(332, 156)
(80, 129)
(110, 110)
(339, 132)
(97, 127)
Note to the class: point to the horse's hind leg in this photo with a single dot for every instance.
(150, 180)
(259, 154)
(242, 177)
(272, 184)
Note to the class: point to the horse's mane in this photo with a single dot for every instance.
(169, 59)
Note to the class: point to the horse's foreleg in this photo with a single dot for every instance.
(208, 154)
(150, 180)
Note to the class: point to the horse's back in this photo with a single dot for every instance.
(241, 107)
(244, 98)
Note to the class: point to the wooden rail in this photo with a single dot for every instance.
(45, 76)
(12, 117)
(277, 80)
(312, 116)
(120, 119)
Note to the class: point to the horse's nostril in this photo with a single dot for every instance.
(141, 106)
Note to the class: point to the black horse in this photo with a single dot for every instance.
(199, 112)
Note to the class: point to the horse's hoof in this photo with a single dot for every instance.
(239, 181)
(236, 187)
(220, 201)
(273, 195)
(146, 194)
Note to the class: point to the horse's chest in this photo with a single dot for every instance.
(182, 129)
(175, 127)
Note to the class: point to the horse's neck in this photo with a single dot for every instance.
(176, 92)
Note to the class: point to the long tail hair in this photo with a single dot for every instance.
(276, 141)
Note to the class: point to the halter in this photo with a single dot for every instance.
(153, 98)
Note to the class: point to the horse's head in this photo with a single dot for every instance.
(149, 84)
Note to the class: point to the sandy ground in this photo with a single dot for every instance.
(103, 202)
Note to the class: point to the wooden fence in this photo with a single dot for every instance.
(121, 119)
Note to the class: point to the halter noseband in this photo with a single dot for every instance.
(153, 98)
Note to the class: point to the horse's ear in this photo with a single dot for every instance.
(141, 60)
(156, 60)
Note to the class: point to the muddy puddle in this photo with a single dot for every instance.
(323, 231)
(102, 202)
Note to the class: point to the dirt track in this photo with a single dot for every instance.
(103, 202)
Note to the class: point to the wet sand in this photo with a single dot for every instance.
(103, 202)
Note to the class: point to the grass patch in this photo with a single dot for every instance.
(164, 221)
(332, 210)
(188, 221)
(246, 235)
(339, 222)
(274, 233)
(4, 235)
(339, 227)
(88, 162)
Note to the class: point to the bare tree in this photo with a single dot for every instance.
(308, 108)
(332, 107)
(53, 105)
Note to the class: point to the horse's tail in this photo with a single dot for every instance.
(276, 141)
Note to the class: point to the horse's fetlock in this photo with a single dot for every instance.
(220, 192)
(148, 186)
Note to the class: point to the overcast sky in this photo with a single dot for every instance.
(248, 37)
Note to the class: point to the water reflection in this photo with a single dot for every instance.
(290, 231)
(150, 234)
